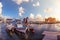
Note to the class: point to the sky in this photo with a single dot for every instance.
(30, 8)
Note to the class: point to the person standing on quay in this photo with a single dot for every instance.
(25, 22)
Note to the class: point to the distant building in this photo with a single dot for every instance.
(50, 19)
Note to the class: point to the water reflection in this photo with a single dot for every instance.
(49, 27)
(57, 27)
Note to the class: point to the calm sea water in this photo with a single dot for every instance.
(39, 29)
(49, 27)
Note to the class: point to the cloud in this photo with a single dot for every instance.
(20, 14)
(25, 0)
(46, 17)
(1, 8)
(31, 0)
(20, 1)
(6, 16)
(21, 11)
(38, 16)
(48, 10)
(0, 5)
(31, 16)
(36, 4)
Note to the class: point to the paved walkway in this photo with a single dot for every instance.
(49, 35)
